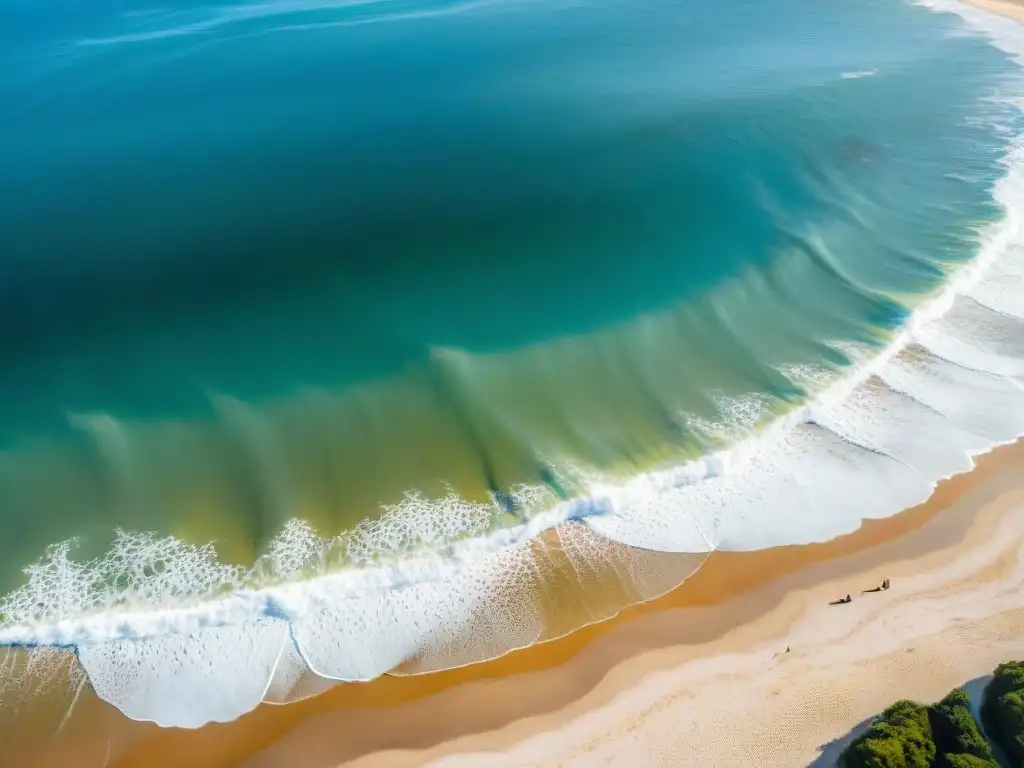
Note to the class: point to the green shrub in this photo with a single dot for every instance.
(1003, 710)
(945, 734)
(958, 740)
(900, 738)
(965, 761)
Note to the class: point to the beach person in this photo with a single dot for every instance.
(884, 586)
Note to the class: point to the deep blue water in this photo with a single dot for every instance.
(257, 200)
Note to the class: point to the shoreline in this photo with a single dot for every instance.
(650, 677)
(728, 605)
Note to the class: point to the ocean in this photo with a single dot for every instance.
(361, 337)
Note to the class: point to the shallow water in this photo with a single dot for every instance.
(433, 278)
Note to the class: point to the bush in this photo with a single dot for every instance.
(900, 738)
(966, 761)
(958, 740)
(1003, 710)
(945, 735)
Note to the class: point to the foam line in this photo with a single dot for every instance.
(289, 674)
(217, 673)
(976, 337)
(363, 638)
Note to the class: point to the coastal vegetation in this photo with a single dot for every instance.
(900, 736)
(946, 734)
(1002, 710)
(958, 740)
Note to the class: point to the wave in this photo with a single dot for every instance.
(214, 19)
(165, 632)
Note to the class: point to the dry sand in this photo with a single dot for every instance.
(689, 679)
(1014, 9)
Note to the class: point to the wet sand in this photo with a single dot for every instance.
(543, 705)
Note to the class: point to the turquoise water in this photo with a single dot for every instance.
(290, 260)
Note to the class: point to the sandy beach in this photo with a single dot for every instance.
(1013, 9)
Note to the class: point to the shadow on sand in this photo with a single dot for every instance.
(829, 753)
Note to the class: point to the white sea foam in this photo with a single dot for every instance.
(188, 676)
(183, 639)
(220, 19)
(859, 74)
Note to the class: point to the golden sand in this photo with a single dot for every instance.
(1013, 9)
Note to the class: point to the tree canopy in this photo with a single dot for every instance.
(958, 740)
(944, 734)
(901, 737)
(1003, 710)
